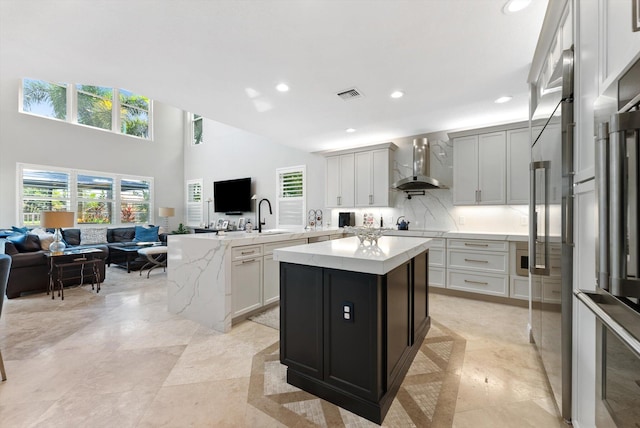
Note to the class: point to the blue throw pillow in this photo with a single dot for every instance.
(19, 229)
(146, 234)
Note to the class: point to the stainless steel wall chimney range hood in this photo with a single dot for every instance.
(420, 179)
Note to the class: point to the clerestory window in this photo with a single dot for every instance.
(111, 109)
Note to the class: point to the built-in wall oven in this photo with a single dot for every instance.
(616, 302)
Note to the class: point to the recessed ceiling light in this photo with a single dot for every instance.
(513, 6)
(350, 130)
(282, 87)
(397, 94)
(503, 100)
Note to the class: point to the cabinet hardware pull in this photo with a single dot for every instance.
(469, 244)
(248, 261)
(370, 199)
(555, 292)
(477, 261)
(476, 282)
(248, 252)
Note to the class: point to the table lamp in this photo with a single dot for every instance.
(166, 212)
(57, 220)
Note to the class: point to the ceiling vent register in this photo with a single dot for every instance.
(350, 94)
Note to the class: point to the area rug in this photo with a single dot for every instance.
(270, 318)
(427, 396)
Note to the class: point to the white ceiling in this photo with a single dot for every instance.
(223, 58)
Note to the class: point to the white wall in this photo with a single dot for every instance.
(30, 139)
(228, 153)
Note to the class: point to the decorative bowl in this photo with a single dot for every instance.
(368, 234)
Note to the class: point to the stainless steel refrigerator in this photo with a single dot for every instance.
(551, 225)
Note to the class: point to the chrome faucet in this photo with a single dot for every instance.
(260, 222)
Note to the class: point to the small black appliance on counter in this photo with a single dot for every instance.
(346, 219)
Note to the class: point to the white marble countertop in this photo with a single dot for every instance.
(494, 236)
(243, 238)
(348, 254)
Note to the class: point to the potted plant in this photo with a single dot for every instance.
(181, 230)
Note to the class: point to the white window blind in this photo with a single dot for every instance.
(194, 202)
(291, 198)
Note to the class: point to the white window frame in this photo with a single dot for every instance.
(73, 192)
(72, 110)
(194, 207)
(280, 200)
(192, 128)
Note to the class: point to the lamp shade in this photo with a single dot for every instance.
(57, 219)
(166, 212)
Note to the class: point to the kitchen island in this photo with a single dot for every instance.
(352, 318)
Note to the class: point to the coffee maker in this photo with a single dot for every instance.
(346, 219)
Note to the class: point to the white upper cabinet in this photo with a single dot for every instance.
(479, 169)
(465, 170)
(340, 181)
(621, 43)
(372, 178)
(518, 159)
(360, 178)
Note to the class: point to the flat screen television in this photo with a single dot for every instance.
(232, 196)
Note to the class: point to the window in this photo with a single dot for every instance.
(134, 114)
(95, 106)
(196, 129)
(94, 199)
(135, 200)
(44, 98)
(43, 190)
(111, 109)
(291, 198)
(93, 195)
(194, 202)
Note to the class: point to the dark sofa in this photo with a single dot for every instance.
(30, 266)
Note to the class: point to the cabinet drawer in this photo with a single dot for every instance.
(246, 251)
(437, 243)
(268, 248)
(555, 264)
(437, 257)
(495, 285)
(519, 288)
(551, 290)
(437, 277)
(478, 261)
(476, 244)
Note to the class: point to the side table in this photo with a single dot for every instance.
(82, 264)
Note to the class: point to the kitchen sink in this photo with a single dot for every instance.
(274, 232)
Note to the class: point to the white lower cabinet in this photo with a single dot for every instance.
(519, 288)
(437, 277)
(493, 284)
(246, 285)
(255, 276)
(271, 280)
(438, 262)
(478, 266)
(271, 269)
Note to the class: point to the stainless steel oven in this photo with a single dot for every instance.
(617, 360)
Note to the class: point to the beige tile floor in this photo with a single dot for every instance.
(119, 359)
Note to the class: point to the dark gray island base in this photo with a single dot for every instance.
(350, 337)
